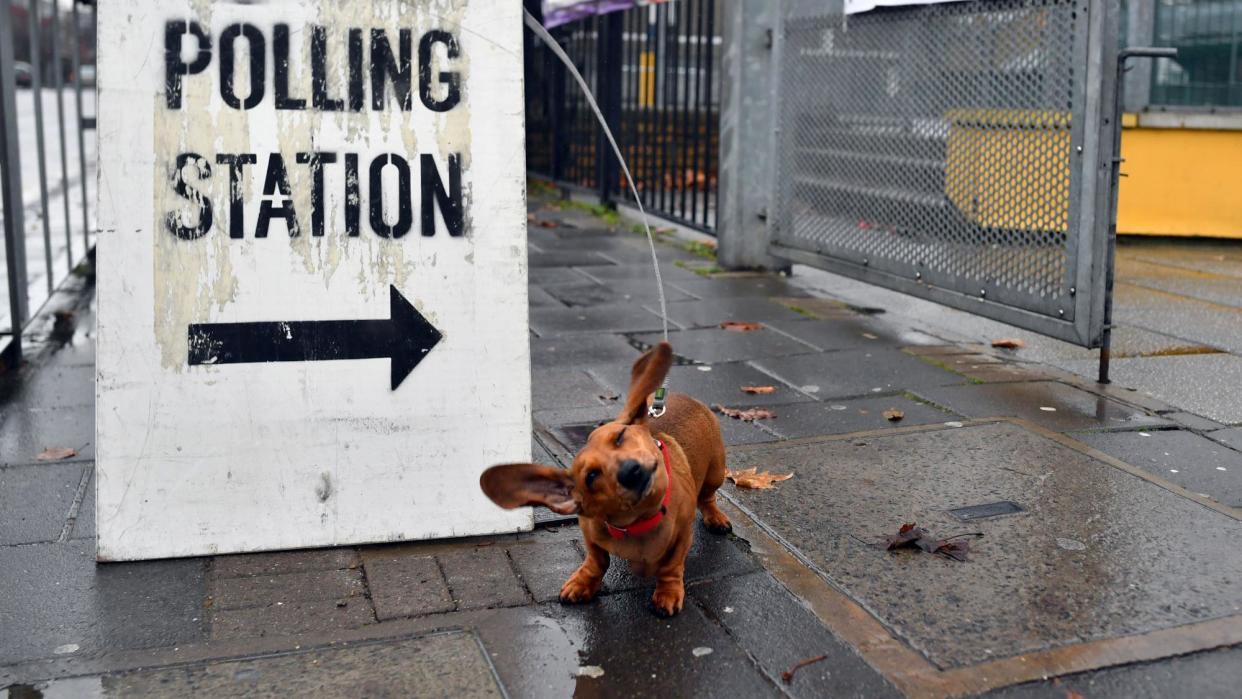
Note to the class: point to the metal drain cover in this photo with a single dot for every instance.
(991, 509)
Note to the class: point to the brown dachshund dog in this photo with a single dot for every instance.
(634, 486)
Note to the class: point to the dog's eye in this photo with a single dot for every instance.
(591, 476)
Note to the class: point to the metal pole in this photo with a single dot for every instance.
(77, 89)
(59, 72)
(11, 188)
(1106, 341)
(36, 92)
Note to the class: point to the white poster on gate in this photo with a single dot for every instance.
(853, 7)
(312, 272)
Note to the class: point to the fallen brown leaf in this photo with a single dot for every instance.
(893, 415)
(748, 415)
(751, 478)
(1009, 343)
(788, 675)
(741, 326)
(912, 536)
(548, 223)
(758, 390)
(56, 454)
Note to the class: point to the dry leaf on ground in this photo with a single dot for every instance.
(758, 390)
(56, 454)
(751, 478)
(548, 223)
(912, 536)
(788, 675)
(748, 415)
(741, 326)
(1009, 343)
(893, 415)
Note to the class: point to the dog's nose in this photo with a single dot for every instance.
(632, 475)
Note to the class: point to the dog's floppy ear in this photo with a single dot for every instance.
(646, 376)
(515, 485)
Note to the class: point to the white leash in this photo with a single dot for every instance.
(657, 407)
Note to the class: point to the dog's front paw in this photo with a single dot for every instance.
(719, 524)
(668, 599)
(580, 588)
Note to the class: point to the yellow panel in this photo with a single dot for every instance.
(1181, 182)
(1009, 168)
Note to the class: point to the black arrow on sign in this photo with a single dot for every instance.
(405, 337)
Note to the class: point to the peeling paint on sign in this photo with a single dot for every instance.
(274, 176)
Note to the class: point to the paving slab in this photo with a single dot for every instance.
(554, 275)
(444, 665)
(710, 313)
(57, 596)
(1216, 673)
(985, 368)
(1196, 463)
(1043, 579)
(1191, 382)
(284, 588)
(1193, 422)
(605, 318)
(545, 567)
(715, 345)
(567, 388)
(538, 297)
(619, 635)
(1231, 437)
(281, 562)
(36, 500)
(857, 372)
(1198, 322)
(764, 286)
(25, 432)
(55, 386)
(568, 352)
(481, 577)
(853, 332)
(404, 585)
(711, 384)
(846, 415)
(627, 272)
(291, 618)
(566, 259)
(619, 291)
(779, 632)
(1053, 405)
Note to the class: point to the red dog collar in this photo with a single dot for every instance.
(643, 526)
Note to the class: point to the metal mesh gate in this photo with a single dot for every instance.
(958, 152)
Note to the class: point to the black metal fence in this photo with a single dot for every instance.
(47, 58)
(655, 72)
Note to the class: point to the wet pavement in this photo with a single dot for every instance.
(1118, 577)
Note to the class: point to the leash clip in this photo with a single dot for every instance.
(656, 409)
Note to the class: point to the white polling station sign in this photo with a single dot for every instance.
(312, 272)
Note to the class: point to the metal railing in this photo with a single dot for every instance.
(655, 73)
(46, 48)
